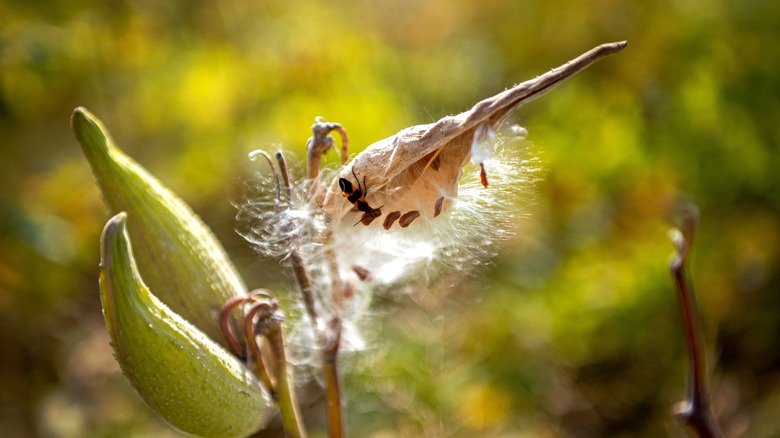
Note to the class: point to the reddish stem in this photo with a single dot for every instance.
(695, 413)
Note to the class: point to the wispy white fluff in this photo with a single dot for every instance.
(399, 259)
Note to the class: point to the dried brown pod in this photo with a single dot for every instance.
(414, 169)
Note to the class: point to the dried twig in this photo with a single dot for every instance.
(695, 412)
(298, 265)
(330, 340)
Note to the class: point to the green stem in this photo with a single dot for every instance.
(330, 372)
(291, 417)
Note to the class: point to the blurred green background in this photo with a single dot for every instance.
(574, 330)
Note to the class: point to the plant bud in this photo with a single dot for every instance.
(188, 379)
(178, 255)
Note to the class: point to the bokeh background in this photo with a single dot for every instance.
(573, 330)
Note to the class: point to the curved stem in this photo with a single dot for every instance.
(269, 325)
(695, 413)
(224, 321)
(256, 363)
(299, 266)
(285, 170)
(276, 175)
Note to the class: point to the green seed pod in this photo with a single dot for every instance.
(188, 379)
(177, 254)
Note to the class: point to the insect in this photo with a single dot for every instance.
(355, 196)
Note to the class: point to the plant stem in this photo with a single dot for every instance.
(695, 413)
(299, 266)
(316, 147)
(332, 382)
(269, 326)
(288, 406)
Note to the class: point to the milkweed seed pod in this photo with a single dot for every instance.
(418, 169)
(187, 378)
(178, 255)
(410, 181)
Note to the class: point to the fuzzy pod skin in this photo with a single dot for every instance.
(177, 254)
(188, 379)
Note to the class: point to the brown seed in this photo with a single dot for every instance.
(438, 206)
(407, 218)
(483, 175)
(349, 291)
(390, 219)
(370, 215)
(361, 272)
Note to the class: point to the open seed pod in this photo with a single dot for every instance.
(403, 204)
(413, 176)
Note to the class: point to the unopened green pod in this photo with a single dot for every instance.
(183, 375)
(178, 255)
